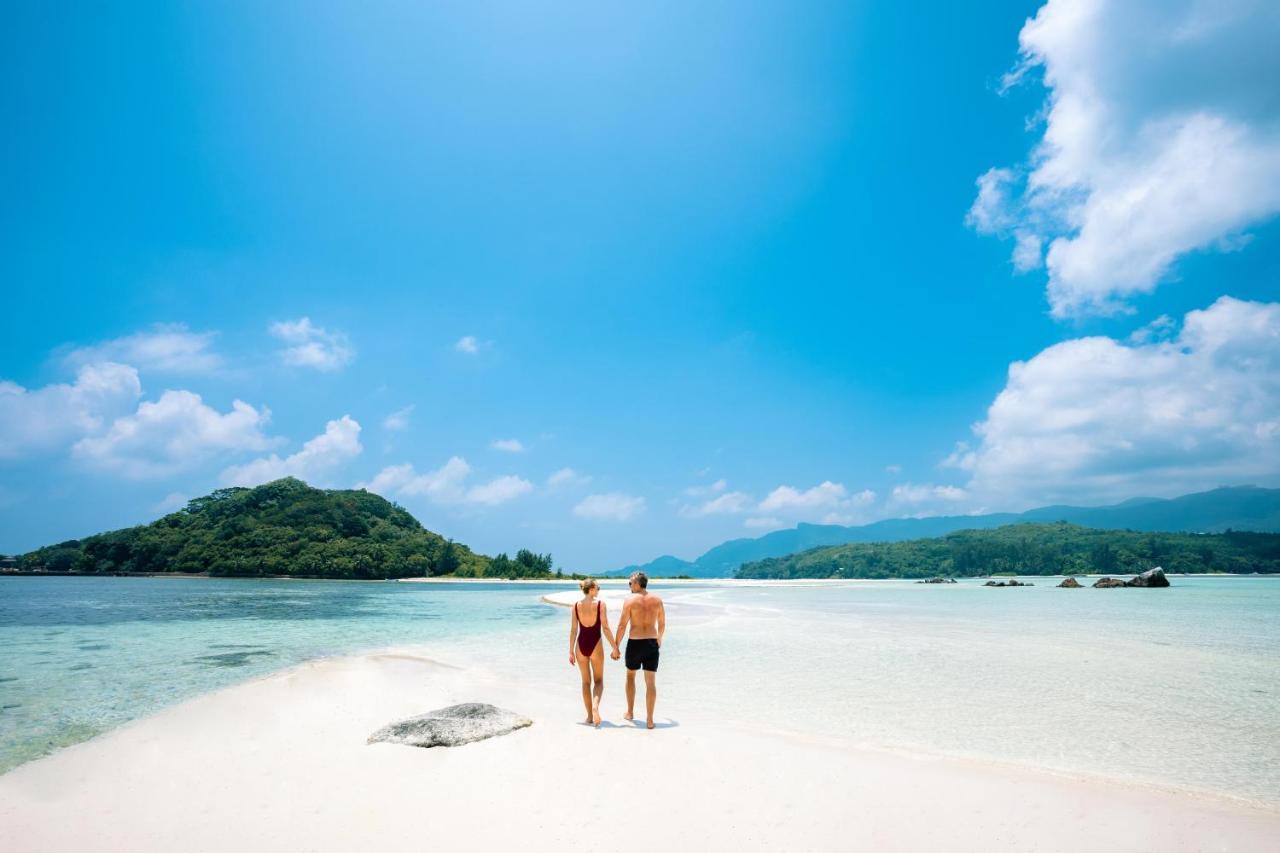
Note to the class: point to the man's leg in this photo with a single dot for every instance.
(650, 694)
(631, 695)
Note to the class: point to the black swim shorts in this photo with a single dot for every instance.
(642, 654)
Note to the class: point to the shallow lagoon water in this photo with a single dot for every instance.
(1177, 687)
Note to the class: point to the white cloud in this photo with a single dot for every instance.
(726, 503)
(499, 490)
(50, 417)
(1095, 419)
(567, 477)
(398, 421)
(308, 345)
(175, 433)
(508, 445)
(467, 344)
(825, 495)
(714, 488)
(339, 442)
(165, 348)
(172, 502)
(447, 485)
(927, 496)
(611, 506)
(1161, 137)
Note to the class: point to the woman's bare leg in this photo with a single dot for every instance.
(597, 666)
(584, 669)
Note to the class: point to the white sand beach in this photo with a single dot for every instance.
(281, 763)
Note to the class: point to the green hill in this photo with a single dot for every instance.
(1031, 548)
(1226, 508)
(283, 528)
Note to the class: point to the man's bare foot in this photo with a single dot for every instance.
(590, 721)
(648, 724)
(628, 716)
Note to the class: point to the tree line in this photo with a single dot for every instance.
(1031, 549)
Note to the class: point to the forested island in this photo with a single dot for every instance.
(1031, 549)
(283, 528)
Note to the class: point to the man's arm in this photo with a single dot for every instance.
(662, 621)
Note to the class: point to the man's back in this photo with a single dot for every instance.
(643, 610)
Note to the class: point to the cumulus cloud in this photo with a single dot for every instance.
(339, 442)
(467, 344)
(508, 445)
(1096, 419)
(714, 488)
(1161, 137)
(610, 506)
(165, 348)
(826, 496)
(567, 477)
(397, 421)
(171, 502)
(50, 417)
(725, 503)
(926, 498)
(175, 433)
(308, 345)
(447, 485)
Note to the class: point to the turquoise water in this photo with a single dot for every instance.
(1177, 687)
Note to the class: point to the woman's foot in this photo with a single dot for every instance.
(648, 724)
(628, 716)
(595, 715)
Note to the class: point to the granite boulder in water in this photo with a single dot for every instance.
(1070, 583)
(452, 726)
(1151, 577)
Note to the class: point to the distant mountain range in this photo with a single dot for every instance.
(1228, 508)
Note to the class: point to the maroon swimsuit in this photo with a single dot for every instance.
(588, 635)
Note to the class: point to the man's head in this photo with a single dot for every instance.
(639, 581)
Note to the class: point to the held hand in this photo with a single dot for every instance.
(616, 654)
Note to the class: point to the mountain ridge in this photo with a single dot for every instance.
(1244, 508)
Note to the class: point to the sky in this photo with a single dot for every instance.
(612, 280)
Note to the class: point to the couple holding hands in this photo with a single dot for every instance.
(643, 614)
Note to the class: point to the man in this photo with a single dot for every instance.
(643, 613)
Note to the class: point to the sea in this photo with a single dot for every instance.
(1176, 688)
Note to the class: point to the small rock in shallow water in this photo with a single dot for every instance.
(1151, 577)
(1070, 583)
(1108, 583)
(452, 726)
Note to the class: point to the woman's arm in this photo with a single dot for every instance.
(608, 633)
(573, 633)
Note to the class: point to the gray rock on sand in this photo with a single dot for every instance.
(1070, 583)
(452, 726)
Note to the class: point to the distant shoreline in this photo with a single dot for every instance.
(604, 581)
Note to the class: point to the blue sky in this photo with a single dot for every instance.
(613, 280)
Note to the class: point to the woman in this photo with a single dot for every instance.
(588, 619)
